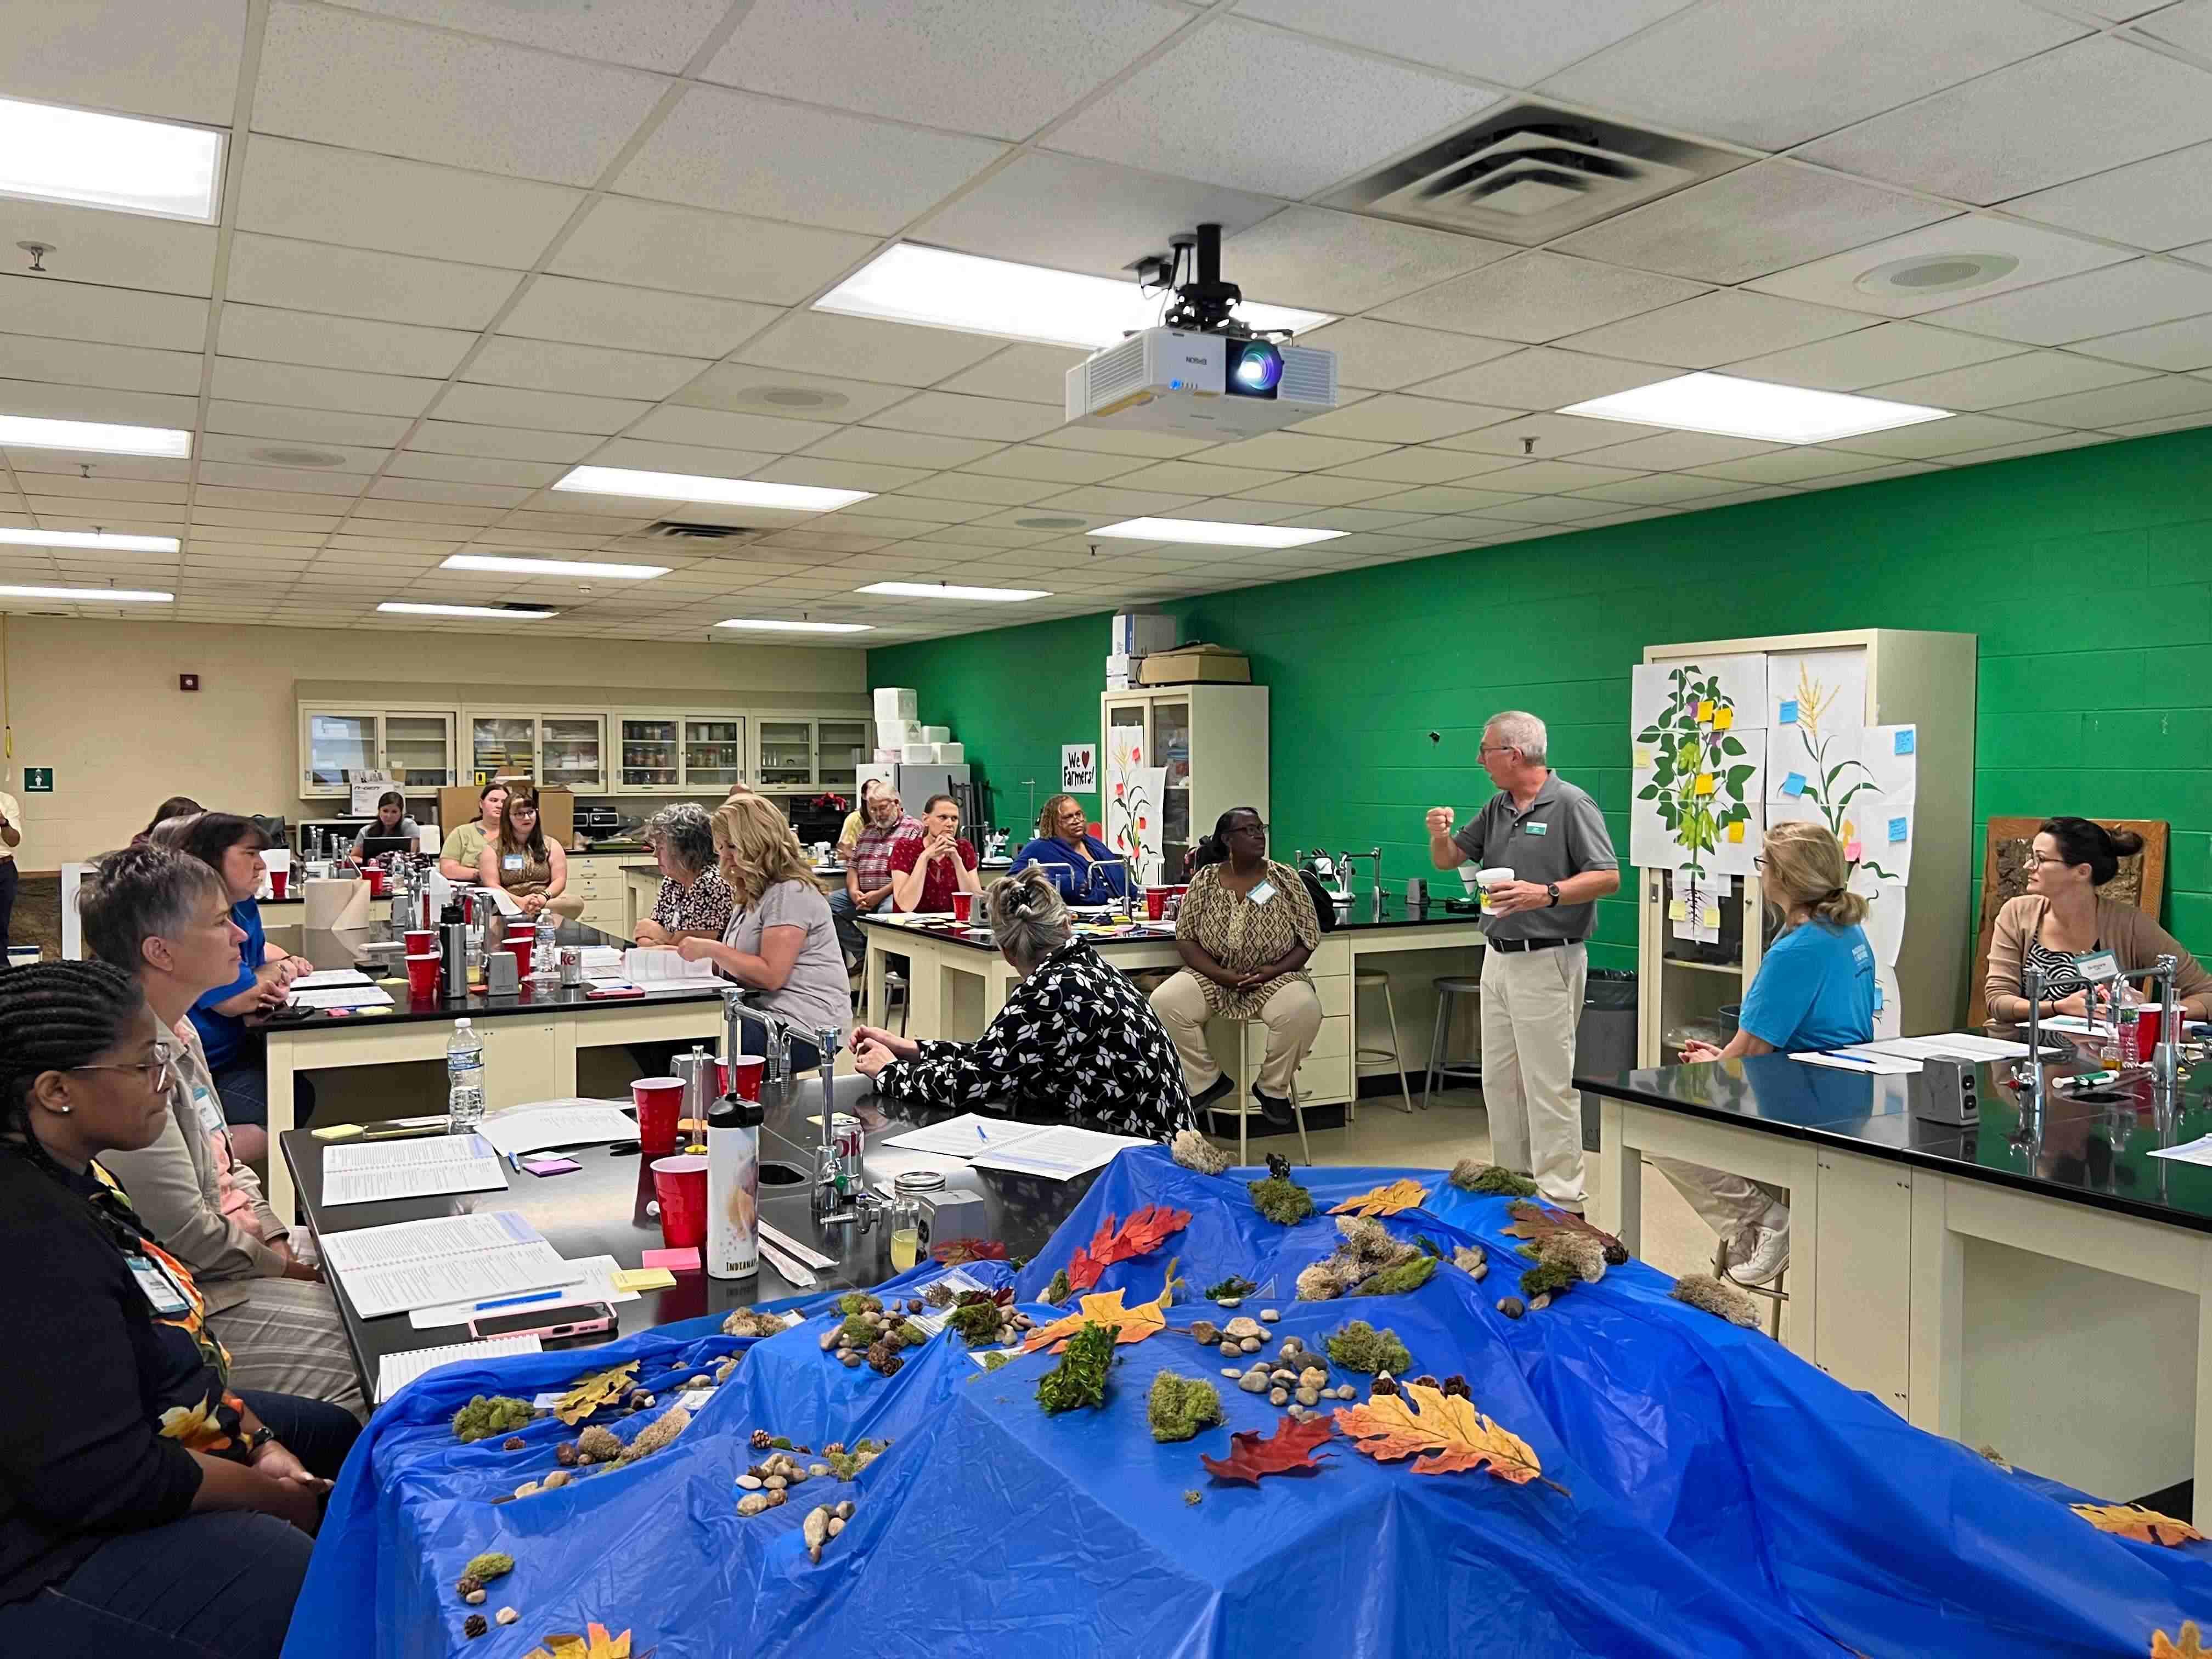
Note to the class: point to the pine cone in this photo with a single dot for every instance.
(760, 1439)
(468, 1586)
(475, 1626)
(514, 1442)
(566, 1454)
(1384, 1385)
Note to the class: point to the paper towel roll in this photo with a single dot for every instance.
(336, 904)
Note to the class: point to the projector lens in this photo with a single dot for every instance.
(1256, 369)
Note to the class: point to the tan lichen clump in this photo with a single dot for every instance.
(1363, 1249)
(1196, 1153)
(1718, 1297)
(658, 1434)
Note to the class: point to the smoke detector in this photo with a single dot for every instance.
(765, 398)
(1935, 273)
(281, 455)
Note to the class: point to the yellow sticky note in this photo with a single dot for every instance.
(644, 1278)
(1706, 710)
(336, 1131)
(1704, 783)
(1643, 756)
(1723, 718)
(1735, 832)
(1679, 911)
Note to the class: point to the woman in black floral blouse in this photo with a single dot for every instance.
(1075, 1039)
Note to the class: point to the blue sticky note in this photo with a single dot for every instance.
(1788, 715)
(1794, 784)
(1877, 996)
(1899, 829)
(1905, 741)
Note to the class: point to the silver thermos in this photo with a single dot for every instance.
(454, 949)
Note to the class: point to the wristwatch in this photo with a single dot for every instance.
(1552, 888)
(254, 1442)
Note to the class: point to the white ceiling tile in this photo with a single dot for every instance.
(1195, 112)
(1028, 373)
(2095, 303)
(556, 411)
(1797, 465)
(445, 492)
(136, 57)
(1417, 465)
(1063, 466)
(83, 362)
(1556, 477)
(1292, 452)
(2200, 252)
(1110, 439)
(1448, 498)
(2042, 255)
(1551, 436)
(1667, 452)
(1658, 489)
(1075, 215)
(276, 488)
(644, 456)
(2187, 25)
(719, 430)
(661, 246)
(2157, 204)
(345, 390)
(1112, 498)
(1342, 262)
(354, 283)
(338, 458)
(664, 35)
(972, 487)
(632, 318)
(1716, 327)
(957, 416)
(1535, 297)
(114, 250)
(857, 443)
(2166, 424)
(1499, 40)
(2035, 446)
(339, 77)
(1540, 377)
(1319, 489)
(470, 469)
(256, 420)
(972, 65)
(850, 475)
(149, 469)
(545, 365)
(114, 316)
(1872, 356)
(1755, 219)
(744, 389)
(1201, 478)
(1384, 356)
(1394, 417)
(862, 349)
(741, 153)
(2085, 107)
(1551, 510)
(2009, 380)
(503, 443)
(2186, 344)
(1954, 436)
(1768, 76)
(49, 401)
(439, 519)
(2139, 400)
(327, 342)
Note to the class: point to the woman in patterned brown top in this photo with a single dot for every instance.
(1245, 930)
(694, 901)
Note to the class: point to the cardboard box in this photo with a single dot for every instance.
(1140, 633)
(556, 809)
(1193, 664)
(897, 702)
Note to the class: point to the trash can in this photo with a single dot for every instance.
(1605, 1039)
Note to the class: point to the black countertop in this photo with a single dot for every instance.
(2093, 1148)
(1362, 920)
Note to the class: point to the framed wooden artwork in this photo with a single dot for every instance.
(2140, 882)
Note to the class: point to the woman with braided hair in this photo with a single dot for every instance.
(147, 1507)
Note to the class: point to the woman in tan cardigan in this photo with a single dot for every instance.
(2060, 917)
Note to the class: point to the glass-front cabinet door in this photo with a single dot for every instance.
(840, 747)
(418, 750)
(650, 754)
(787, 754)
(714, 752)
(1171, 751)
(334, 745)
(573, 750)
(503, 745)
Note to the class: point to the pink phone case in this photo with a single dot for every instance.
(603, 1322)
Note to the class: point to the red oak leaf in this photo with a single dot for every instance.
(1289, 1450)
(1145, 1231)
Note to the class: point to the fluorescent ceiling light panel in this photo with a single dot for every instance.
(634, 572)
(88, 538)
(95, 437)
(1208, 534)
(492, 611)
(694, 487)
(89, 595)
(949, 590)
(906, 284)
(1753, 409)
(50, 153)
(770, 625)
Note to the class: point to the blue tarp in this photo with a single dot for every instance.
(1724, 1497)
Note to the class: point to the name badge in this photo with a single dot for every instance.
(2098, 967)
(160, 1290)
(1538, 829)
(1262, 893)
(210, 1108)
(511, 861)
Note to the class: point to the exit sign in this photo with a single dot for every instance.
(38, 780)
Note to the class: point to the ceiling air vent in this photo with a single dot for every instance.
(679, 530)
(1530, 172)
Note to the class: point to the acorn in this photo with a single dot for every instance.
(514, 1442)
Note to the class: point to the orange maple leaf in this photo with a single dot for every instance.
(596, 1646)
(1445, 1432)
(2133, 1521)
(2190, 1646)
(1104, 1308)
(1145, 1231)
(1384, 1200)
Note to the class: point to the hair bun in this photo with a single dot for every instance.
(2126, 844)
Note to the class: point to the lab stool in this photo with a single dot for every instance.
(1773, 1293)
(895, 992)
(1246, 1106)
(1449, 988)
(1368, 980)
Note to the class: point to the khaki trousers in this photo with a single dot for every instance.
(1728, 1203)
(1532, 1001)
(1292, 1014)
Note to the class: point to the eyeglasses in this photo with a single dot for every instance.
(2035, 861)
(1757, 864)
(1248, 829)
(159, 1072)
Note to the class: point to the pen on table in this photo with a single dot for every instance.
(1847, 1059)
(519, 1301)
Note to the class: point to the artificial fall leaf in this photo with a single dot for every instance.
(2190, 1646)
(596, 1644)
(1289, 1450)
(590, 1394)
(1145, 1231)
(1384, 1200)
(1104, 1308)
(2133, 1521)
(1445, 1429)
(954, 1251)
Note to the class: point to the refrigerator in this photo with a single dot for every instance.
(917, 782)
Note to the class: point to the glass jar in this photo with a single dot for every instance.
(911, 1208)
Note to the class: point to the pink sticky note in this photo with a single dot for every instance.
(551, 1165)
(677, 1262)
(1852, 851)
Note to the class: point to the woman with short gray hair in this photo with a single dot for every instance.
(694, 902)
(1075, 1040)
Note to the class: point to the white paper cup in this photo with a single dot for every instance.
(1487, 879)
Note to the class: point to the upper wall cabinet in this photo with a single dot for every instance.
(414, 747)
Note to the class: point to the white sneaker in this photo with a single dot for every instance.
(1759, 1254)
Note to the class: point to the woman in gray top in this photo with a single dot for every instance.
(392, 821)
(781, 941)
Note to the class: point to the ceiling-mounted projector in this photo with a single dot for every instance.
(1201, 372)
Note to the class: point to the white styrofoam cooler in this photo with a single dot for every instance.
(949, 753)
(918, 754)
(934, 735)
(896, 734)
(897, 702)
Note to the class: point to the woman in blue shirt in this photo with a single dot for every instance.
(1063, 838)
(1815, 989)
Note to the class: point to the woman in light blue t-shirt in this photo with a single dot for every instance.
(1815, 989)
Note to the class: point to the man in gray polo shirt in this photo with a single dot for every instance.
(1551, 835)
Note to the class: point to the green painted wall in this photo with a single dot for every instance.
(2087, 574)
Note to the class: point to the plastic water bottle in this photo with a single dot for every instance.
(465, 1081)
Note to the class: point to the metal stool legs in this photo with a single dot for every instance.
(1442, 1067)
(1247, 1105)
(1773, 1292)
(1395, 1053)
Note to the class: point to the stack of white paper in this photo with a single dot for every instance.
(593, 1279)
(461, 1258)
(363, 995)
(966, 1136)
(327, 977)
(1860, 1061)
(653, 965)
(396, 1370)
(557, 1123)
(411, 1168)
(1057, 1151)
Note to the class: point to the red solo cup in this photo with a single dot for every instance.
(963, 906)
(278, 881)
(680, 1184)
(375, 874)
(721, 1078)
(420, 940)
(422, 975)
(1155, 902)
(2150, 1021)
(521, 942)
(745, 1072)
(659, 1101)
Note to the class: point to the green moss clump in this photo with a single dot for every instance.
(858, 1301)
(1548, 1277)
(1179, 1407)
(1282, 1200)
(492, 1563)
(493, 1414)
(1060, 1289)
(858, 1329)
(912, 1334)
(979, 1321)
(995, 1358)
(1359, 1346)
(1398, 1281)
(1079, 1379)
(1232, 1285)
(1494, 1180)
